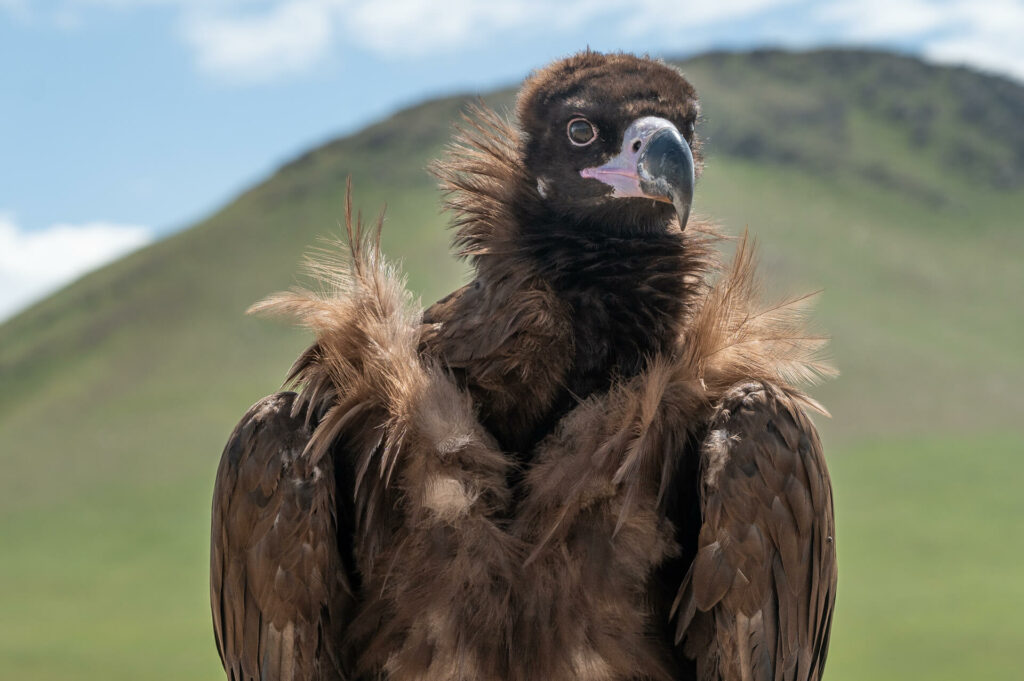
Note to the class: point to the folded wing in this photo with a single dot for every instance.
(279, 587)
(757, 601)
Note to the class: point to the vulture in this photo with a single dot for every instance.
(593, 462)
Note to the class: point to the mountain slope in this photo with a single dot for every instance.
(893, 185)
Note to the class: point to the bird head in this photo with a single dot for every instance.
(609, 140)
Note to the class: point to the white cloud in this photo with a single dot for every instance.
(413, 27)
(288, 38)
(18, 9)
(871, 20)
(983, 53)
(662, 16)
(35, 263)
(135, 4)
(985, 35)
(250, 41)
(991, 37)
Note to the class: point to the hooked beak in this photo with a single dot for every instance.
(655, 163)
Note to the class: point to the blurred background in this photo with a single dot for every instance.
(193, 150)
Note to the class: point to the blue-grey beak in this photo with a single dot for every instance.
(655, 163)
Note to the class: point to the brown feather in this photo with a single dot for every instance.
(516, 480)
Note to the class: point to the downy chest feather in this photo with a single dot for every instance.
(559, 587)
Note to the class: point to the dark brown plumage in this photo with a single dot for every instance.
(590, 463)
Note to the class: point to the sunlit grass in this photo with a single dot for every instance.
(930, 551)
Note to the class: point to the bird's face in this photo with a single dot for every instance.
(610, 141)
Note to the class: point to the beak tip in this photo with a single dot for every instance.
(683, 212)
(667, 165)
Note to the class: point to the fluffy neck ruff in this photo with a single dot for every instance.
(629, 296)
(697, 316)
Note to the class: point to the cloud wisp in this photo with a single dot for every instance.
(985, 35)
(249, 42)
(247, 47)
(36, 263)
(252, 41)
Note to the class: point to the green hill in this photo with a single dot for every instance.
(895, 186)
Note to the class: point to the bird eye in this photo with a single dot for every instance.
(581, 132)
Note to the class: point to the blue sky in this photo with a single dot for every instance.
(123, 120)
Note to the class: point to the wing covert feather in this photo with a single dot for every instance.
(279, 589)
(757, 601)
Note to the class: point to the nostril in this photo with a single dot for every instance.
(636, 145)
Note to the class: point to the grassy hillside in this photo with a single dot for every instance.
(895, 186)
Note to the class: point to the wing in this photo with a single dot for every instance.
(279, 588)
(757, 601)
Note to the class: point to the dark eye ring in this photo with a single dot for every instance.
(581, 132)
